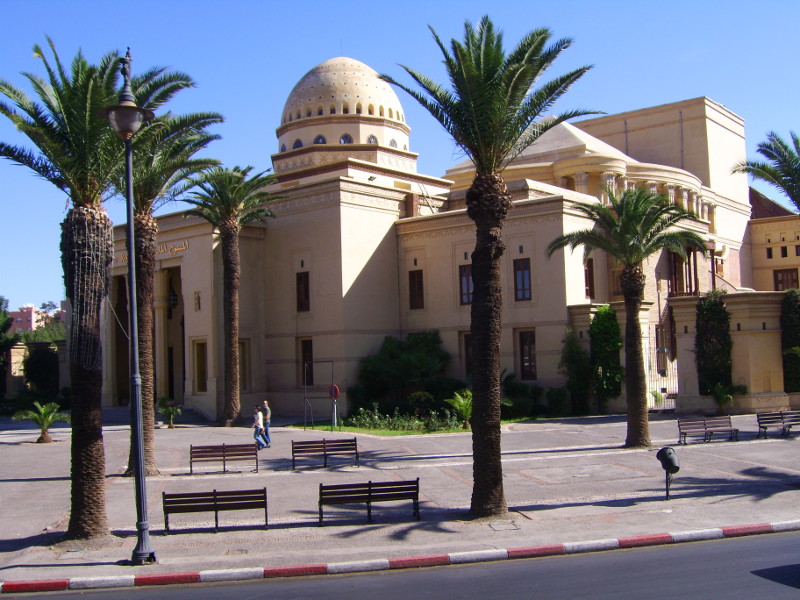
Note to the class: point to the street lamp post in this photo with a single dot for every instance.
(126, 118)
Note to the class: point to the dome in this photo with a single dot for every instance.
(342, 86)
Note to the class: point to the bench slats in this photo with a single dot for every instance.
(324, 448)
(785, 419)
(225, 453)
(705, 426)
(379, 491)
(214, 501)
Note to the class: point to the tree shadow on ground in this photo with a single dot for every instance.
(765, 483)
(788, 575)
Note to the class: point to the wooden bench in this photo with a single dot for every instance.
(324, 448)
(705, 426)
(225, 453)
(215, 501)
(785, 419)
(372, 491)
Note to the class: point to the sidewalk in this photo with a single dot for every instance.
(569, 485)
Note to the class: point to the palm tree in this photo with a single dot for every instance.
(163, 162)
(631, 228)
(781, 168)
(230, 199)
(44, 416)
(493, 113)
(79, 153)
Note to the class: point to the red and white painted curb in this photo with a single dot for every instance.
(85, 583)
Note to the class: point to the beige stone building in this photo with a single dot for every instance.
(363, 246)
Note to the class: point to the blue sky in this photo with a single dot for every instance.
(246, 55)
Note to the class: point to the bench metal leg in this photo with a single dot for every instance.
(369, 511)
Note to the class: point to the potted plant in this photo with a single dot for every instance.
(44, 416)
(169, 409)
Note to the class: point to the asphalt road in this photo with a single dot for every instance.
(748, 568)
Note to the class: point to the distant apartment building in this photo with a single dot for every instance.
(28, 317)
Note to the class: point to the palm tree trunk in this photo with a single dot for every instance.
(146, 232)
(632, 281)
(487, 204)
(86, 254)
(229, 235)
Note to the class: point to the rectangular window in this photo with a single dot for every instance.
(797, 250)
(465, 283)
(784, 251)
(200, 367)
(466, 353)
(416, 291)
(522, 279)
(527, 355)
(306, 361)
(588, 277)
(303, 292)
(785, 279)
(244, 365)
(769, 252)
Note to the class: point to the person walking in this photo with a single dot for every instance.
(258, 429)
(267, 416)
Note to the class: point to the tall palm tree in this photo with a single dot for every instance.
(781, 168)
(230, 199)
(164, 160)
(78, 152)
(631, 228)
(493, 113)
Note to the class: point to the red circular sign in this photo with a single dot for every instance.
(334, 392)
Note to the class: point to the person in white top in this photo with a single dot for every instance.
(258, 429)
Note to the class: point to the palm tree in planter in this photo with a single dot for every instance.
(229, 199)
(493, 112)
(44, 416)
(781, 169)
(79, 153)
(164, 161)
(631, 228)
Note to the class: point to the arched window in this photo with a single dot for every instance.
(320, 110)
(372, 140)
(308, 112)
(298, 114)
(391, 114)
(393, 143)
(346, 139)
(283, 147)
(345, 109)
(333, 109)
(297, 144)
(358, 109)
(320, 139)
(371, 110)
(380, 111)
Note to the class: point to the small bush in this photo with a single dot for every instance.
(558, 402)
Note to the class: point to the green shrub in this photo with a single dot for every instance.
(713, 344)
(578, 368)
(558, 402)
(41, 371)
(790, 340)
(605, 343)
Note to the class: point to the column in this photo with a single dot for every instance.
(652, 187)
(684, 199)
(160, 306)
(671, 194)
(582, 182)
(609, 184)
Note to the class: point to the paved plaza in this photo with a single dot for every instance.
(567, 481)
